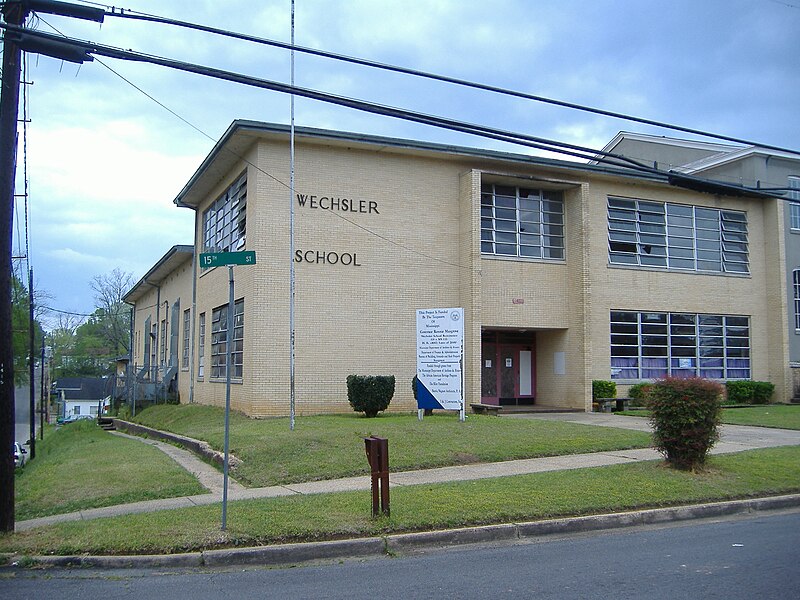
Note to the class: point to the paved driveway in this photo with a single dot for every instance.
(733, 438)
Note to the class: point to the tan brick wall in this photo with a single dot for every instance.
(157, 305)
(421, 249)
(638, 289)
(213, 292)
(471, 277)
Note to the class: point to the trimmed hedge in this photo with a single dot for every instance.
(603, 389)
(370, 394)
(685, 415)
(749, 392)
(638, 393)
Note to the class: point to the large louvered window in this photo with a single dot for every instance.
(677, 236)
(225, 221)
(219, 341)
(651, 345)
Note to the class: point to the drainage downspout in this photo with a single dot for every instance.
(192, 344)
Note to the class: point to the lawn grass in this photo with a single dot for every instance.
(329, 447)
(782, 416)
(81, 466)
(425, 507)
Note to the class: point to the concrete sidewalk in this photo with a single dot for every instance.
(733, 438)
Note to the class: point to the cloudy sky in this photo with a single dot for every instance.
(105, 161)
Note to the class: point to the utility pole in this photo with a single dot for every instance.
(32, 363)
(13, 14)
(42, 401)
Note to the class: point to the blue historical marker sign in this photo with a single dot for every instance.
(440, 350)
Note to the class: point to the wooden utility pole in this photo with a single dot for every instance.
(14, 14)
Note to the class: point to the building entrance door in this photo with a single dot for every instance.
(507, 374)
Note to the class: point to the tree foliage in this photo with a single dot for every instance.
(112, 316)
(88, 348)
(685, 415)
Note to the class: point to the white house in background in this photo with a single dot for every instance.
(80, 396)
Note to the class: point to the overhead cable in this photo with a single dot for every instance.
(126, 14)
(40, 41)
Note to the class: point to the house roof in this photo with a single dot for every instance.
(174, 258)
(711, 147)
(242, 134)
(718, 154)
(81, 388)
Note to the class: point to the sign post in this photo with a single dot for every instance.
(229, 259)
(440, 360)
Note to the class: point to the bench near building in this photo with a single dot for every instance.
(567, 272)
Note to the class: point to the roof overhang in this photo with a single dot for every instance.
(241, 135)
(166, 265)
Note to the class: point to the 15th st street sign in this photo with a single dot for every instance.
(219, 259)
(229, 259)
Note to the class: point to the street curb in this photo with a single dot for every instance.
(289, 554)
(295, 553)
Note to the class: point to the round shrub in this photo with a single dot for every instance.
(370, 394)
(685, 415)
(638, 393)
(603, 389)
(739, 392)
(762, 392)
(749, 392)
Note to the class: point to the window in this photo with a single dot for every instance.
(163, 342)
(153, 350)
(796, 286)
(224, 222)
(185, 357)
(148, 340)
(522, 222)
(201, 348)
(676, 236)
(219, 341)
(649, 345)
(794, 206)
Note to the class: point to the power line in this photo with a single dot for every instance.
(474, 129)
(128, 14)
(257, 167)
(361, 105)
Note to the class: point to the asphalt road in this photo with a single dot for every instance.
(22, 412)
(22, 409)
(735, 559)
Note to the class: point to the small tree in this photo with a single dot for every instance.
(685, 417)
(370, 394)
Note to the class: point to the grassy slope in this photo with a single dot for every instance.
(328, 447)
(330, 516)
(80, 466)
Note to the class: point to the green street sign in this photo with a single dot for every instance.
(218, 259)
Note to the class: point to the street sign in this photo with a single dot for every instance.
(218, 259)
(209, 260)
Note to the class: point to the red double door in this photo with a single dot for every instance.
(507, 371)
